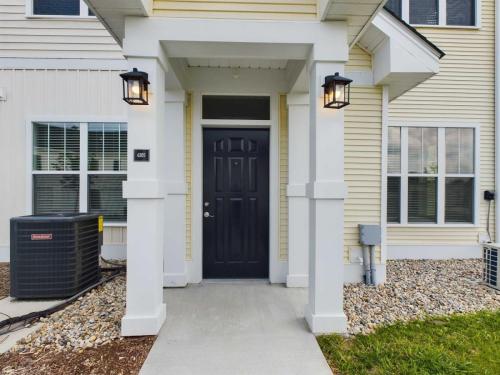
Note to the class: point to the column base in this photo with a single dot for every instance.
(330, 323)
(148, 325)
(297, 281)
(174, 280)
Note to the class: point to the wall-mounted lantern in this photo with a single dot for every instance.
(135, 87)
(337, 91)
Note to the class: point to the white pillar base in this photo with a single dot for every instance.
(332, 323)
(144, 325)
(297, 281)
(174, 280)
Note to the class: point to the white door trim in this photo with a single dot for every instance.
(277, 268)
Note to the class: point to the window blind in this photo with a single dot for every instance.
(394, 6)
(56, 147)
(459, 200)
(105, 197)
(422, 199)
(107, 147)
(461, 12)
(55, 193)
(424, 12)
(393, 199)
(56, 7)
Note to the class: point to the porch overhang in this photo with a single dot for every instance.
(402, 58)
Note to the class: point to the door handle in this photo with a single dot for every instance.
(207, 214)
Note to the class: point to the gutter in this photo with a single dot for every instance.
(497, 120)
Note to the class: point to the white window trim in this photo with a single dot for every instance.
(441, 175)
(84, 13)
(405, 14)
(83, 172)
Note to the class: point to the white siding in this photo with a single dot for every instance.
(24, 37)
(57, 94)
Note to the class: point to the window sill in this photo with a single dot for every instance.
(430, 225)
(417, 26)
(61, 18)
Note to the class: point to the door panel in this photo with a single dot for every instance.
(236, 203)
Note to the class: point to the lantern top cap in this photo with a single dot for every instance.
(336, 78)
(135, 75)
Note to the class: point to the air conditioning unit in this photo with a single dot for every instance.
(491, 265)
(53, 256)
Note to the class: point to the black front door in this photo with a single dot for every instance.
(235, 203)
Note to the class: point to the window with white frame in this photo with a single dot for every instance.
(431, 175)
(72, 8)
(436, 12)
(80, 167)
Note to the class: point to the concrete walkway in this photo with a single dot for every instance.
(235, 328)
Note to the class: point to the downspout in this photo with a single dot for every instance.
(497, 120)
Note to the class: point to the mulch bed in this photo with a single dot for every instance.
(4, 280)
(120, 357)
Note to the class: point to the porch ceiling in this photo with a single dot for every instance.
(193, 62)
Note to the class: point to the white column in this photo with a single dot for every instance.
(145, 192)
(298, 203)
(326, 190)
(175, 228)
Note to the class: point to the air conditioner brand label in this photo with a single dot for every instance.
(41, 236)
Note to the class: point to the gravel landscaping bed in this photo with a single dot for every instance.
(4, 280)
(92, 320)
(417, 288)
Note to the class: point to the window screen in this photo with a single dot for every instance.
(56, 7)
(424, 12)
(422, 198)
(107, 147)
(393, 199)
(459, 200)
(224, 107)
(56, 147)
(57, 193)
(461, 12)
(105, 197)
(394, 6)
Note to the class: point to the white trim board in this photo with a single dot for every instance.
(433, 251)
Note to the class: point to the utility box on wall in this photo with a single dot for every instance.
(370, 235)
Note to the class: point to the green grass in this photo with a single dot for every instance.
(458, 344)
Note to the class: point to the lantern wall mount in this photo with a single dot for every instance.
(337, 91)
(135, 87)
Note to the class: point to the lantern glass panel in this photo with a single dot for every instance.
(134, 89)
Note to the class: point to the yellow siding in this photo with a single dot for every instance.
(362, 163)
(248, 9)
(115, 235)
(188, 172)
(462, 91)
(23, 37)
(283, 235)
(359, 60)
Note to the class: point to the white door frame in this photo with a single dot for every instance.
(277, 268)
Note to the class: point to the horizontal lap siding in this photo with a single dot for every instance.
(463, 91)
(283, 235)
(52, 38)
(188, 165)
(362, 163)
(249, 9)
(57, 94)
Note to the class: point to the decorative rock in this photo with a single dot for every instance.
(417, 288)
